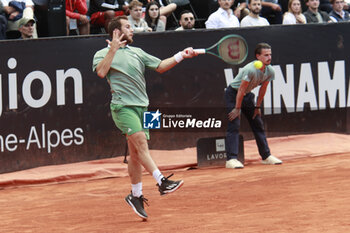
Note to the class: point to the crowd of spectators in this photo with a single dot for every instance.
(159, 15)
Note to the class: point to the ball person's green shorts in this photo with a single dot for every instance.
(129, 119)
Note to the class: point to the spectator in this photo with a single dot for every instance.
(313, 15)
(186, 21)
(26, 28)
(165, 9)
(294, 15)
(3, 23)
(17, 9)
(338, 14)
(76, 16)
(240, 9)
(102, 11)
(137, 23)
(253, 19)
(152, 17)
(223, 17)
(272, 11)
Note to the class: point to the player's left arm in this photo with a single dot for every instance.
(170, 62)
(261, 95)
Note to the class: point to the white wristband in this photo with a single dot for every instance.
(178, 57)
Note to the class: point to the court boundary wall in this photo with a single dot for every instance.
(55, 110)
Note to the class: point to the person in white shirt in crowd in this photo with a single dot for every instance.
(186, 21)
(338, 14)
(294, 14)
(152, 17)
(137, 23)
(12, 9)
(253, 19)
(223, 17)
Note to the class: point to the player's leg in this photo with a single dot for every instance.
(232, 133)
(129, 119)
(257, 126)
(136, 199)
(138, 143)
(138, 140)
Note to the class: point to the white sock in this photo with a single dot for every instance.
(136, 189)
(157, 176)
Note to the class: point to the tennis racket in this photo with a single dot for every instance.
(232, 49)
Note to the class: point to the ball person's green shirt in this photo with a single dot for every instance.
(252, 75)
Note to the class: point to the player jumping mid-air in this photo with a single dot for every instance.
(124, 68)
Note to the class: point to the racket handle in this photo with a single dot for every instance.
(200, 51)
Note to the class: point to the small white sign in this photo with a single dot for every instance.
(220, 145)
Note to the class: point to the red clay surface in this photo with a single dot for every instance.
(305, 194)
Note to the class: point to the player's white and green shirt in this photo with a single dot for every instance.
(126, 75)
(253, 75)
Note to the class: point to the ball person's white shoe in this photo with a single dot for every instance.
(271, 160)
(234, 163)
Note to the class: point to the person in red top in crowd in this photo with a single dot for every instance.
(102, 11)
(76, 16)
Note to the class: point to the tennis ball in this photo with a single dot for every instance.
(258, 64)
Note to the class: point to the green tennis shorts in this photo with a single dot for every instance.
(129, 119)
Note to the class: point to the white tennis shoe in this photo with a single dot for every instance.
(234, 163)
(271, 160)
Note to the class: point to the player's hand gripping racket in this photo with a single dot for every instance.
(232, 49)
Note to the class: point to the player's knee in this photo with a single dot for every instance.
(138, 140)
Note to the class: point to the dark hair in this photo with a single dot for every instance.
(185, 12)
(115, 23)
(260, 47)
(249, 1)
(134, 3)
(148, 18)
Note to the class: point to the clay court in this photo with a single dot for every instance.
(308, 193)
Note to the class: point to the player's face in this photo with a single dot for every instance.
(153, 11)
(225, 4)
(136, 12)
(296, 8)
(265, 56)
(187, 21)
(127, 30)
(255, 6)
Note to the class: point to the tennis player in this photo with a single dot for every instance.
(124, 68)
(238, 97)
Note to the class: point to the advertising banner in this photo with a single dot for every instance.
(54, 109)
